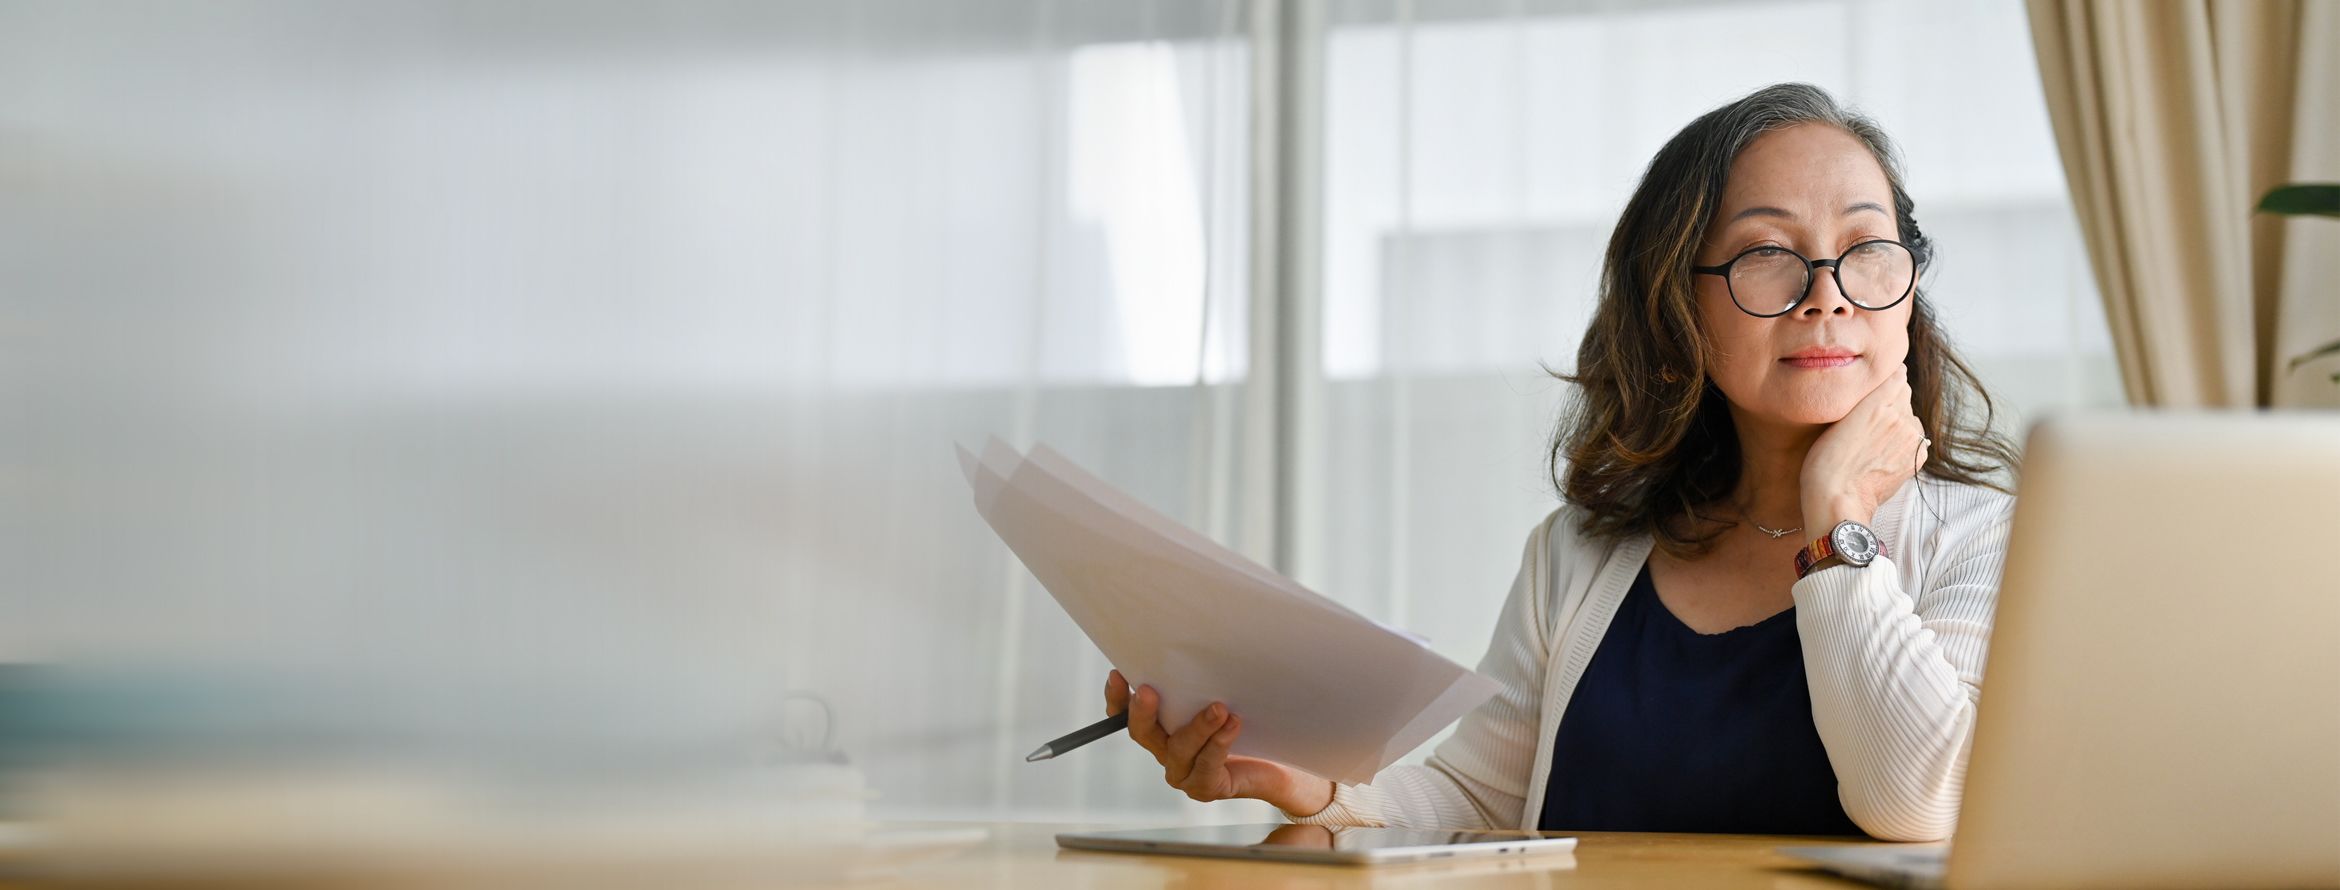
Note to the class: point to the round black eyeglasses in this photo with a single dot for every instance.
(1771, 281)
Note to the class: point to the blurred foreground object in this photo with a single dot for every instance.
(131, 777)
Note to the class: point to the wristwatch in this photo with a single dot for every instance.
(1849, 543)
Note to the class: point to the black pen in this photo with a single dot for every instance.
(1081, 736)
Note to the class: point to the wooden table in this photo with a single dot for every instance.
(1024, 854)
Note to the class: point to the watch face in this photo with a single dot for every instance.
(1854, 542)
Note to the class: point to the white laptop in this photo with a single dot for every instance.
(2161, 703)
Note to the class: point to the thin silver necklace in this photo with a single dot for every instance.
(1775, 533)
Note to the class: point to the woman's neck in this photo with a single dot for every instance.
(1771, 469)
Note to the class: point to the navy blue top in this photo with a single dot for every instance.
(1674, 730)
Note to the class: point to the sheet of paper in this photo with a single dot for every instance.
(1319, 686)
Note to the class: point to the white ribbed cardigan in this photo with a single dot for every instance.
(1893, 654)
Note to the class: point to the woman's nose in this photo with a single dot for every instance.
(1825, 298)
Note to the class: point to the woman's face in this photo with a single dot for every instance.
(1816, 190)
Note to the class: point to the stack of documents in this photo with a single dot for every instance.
(1319, 687)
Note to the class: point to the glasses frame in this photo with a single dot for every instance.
(1724, 271)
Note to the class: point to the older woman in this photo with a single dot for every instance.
(1763, 604)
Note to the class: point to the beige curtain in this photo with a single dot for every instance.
(2173, 117)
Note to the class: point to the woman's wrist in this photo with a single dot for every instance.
(1304, 794)
(1824, 514)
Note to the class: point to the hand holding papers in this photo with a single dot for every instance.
(1319, 686)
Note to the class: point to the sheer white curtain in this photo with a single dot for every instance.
(1028, 220)
(1479, 152)
(589, 372)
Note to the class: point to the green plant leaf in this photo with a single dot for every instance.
(2303, 199)
(2313, 354)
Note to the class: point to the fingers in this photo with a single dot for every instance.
(1890, 398)
(1908, 435)
(1209, 779)
(1189, 740)
(1145, 725)
(1193, 759)
(1116, 693)
(1893, 402)
(1892, 392)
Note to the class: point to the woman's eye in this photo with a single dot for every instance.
(1766, 252)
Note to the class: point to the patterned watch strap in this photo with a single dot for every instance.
(1808, 559)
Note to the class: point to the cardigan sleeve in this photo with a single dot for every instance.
(1478, 777)
(1895, 668)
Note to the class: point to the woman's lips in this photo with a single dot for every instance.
(1821, 361)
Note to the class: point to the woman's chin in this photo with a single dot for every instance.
(1798, 402)
(1808, 412)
